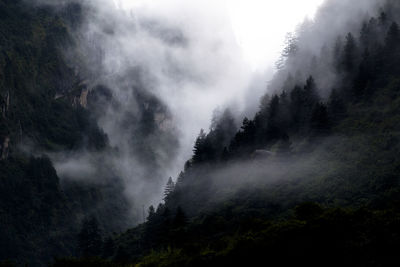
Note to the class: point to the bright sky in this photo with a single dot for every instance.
(260, 26)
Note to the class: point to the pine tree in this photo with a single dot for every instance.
(199, 147)
(222, 131)
(349, 54)
(393, 37)
(151, 213)
(337, 54)
(169, 188)
(290, 50)
(273, 119)
(311, 92)
(320, 123)
(180, 219)
(364, 76)
(297, 107)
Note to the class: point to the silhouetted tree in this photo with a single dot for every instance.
(289, 51)
(349, 54)
(320, 123)
(297, 107)
(310, 93)
(202, 150)
(169, 188)
(337, 54)
(151, 213)
(392, 40)
(364, 76)
(180, 219)
(273, 130)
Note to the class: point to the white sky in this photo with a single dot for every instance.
(260, 26)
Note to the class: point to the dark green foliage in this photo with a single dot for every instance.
(320, 122)
(6, 264)
(337, 108)
(180, 219)
(33, 208)
(331, 158)
(108, 248)
(200, 148)
(87, 262)
(169, 188)
(338, 152)
(350, 50)
(308, 211)
(32, 73)
(90, 241)
(39, 111)
(357, 237)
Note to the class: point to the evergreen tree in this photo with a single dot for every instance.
(151, 213)
(199, 147)
(180, 219)
(337, 54)
(320, 123)
(311, 93)
(297, 107)
(284, 116)
(289, 51)
(221, 133)
(393, 37)
(349, 54)
(169, 188)
(364, 76)
(383, 19)
(273, 119)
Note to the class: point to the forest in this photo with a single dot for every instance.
(312, 178)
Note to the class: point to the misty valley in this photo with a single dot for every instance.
(136, 133)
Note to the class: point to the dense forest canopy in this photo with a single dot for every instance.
(311, 178)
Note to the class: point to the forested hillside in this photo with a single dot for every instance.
(311, 179)
(41, 111)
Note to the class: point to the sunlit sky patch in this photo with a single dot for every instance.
(260, 26)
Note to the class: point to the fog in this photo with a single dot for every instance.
(165, 66)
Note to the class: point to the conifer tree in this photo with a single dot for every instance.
(180, 219)
(151, 213)
(169, 188)
(349, 54)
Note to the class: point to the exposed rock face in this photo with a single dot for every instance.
(5, 148)
(5, 105)
(83, 98)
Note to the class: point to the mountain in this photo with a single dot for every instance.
(43, 113)
(312, 178)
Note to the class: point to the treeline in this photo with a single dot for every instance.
(364, 65)
(40, 215)
(293, 123)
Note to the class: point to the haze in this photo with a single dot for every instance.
(259, 26)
